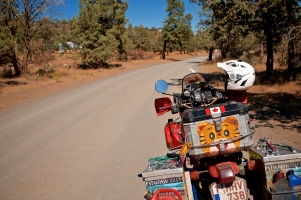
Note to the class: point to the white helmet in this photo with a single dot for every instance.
(241, 74)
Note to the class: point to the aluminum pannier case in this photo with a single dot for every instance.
(218, 129)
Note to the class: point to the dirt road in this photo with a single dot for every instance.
(88, 142)
(91, 141)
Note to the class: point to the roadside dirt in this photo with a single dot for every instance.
(15, 91)
(275, 110)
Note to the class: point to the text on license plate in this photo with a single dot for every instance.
(234, 191)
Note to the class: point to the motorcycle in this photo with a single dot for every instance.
(207, 146)
(206, 142)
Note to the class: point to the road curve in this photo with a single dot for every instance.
(88, 142)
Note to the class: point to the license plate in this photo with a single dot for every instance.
(234, 191)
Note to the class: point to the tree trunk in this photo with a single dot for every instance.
(25, 70)
(164, 49)
(269, 46)
(27, 37)
(16, 64)
(290, 62)
(224, 53)
(262, 50)
(211, 49)
(14, 58)
(291, 46)
(120, 49)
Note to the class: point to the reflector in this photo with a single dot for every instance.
(225, 172)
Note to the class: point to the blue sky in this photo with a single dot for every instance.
(149, 13)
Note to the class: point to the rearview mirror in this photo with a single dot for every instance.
(161, 86)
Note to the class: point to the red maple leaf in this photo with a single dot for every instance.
(215, 110)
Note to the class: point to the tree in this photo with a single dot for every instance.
(275, 18)
(204, 35)
(269, 17)
(185, 34)
(143, 39)
(227, 22)
(206, 42)
(176, 28)
(291, 37)
(43, 43)
(27, 15)
(64, 34)
(8, 34)
(290, 49)
(192, 45)
(99, 30)
(6, 45)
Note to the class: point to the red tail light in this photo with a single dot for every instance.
(225, 172)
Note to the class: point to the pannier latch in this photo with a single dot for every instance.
(217, 124)
(218, 127)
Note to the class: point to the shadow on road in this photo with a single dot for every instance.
(13, 82)
(195, 62)
(175, 82)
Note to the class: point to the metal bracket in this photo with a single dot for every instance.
(217, 123)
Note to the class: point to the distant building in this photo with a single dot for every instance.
(70, 45)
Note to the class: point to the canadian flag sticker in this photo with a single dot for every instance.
(215, 110)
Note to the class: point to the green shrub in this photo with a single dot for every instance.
(41, 72)
(55, 74)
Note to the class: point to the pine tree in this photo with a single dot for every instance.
(227, 22)
(177, 26)
(268, 18)
(8, 34)
(100, 26)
